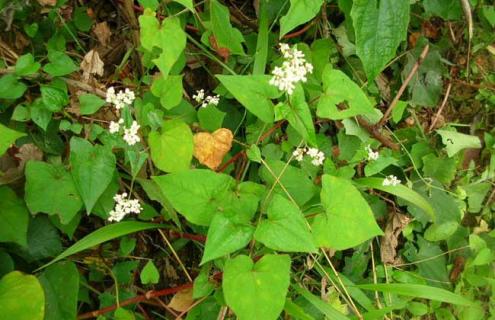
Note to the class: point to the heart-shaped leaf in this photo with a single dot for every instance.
(21, 297)
(211, 148)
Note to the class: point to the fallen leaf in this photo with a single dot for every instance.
(388, 245)
(50, 3)
(91, 64)
(182, 300)
(28, 152)
(102, 32)
(221, 51)
(12, 166)
(211, 148)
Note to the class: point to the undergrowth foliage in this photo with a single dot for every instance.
(302, 159)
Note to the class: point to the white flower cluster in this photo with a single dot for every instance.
(293, 69)
(391, 180)
(317, 156)
(372, 155)
(120, 99)
(205, 100)
(123, 207)
(131, 134)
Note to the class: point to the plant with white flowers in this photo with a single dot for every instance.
(123, 207)
(205, 101)
(121, 100)
(317, 156)
(372, 155)
(294, 69)
(391, 180)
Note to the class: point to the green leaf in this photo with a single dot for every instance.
(345, 224)
(149, 274)
(8, 137)
(186, 3)
(11, 88)
(440, 169)
(61, 286)
(418, 291)
(380, 28)
(455, 141)
(447, 10)
(50, 189)
(26, 65)
(225, 35)
(338, 88)
(225, 236)
(60, 64)
(297, 112)
(103, 234)
(253, 92)
(149, 27)
(210, 118)
(92, 169)
(256, 291)
(324, 307)
(172, 149)
(400, 191)
(81, 19)
(43, 239)
(89, 103)
(254, 153)
(285, 229)
(300, 11)
(21, 297)
(169, 90)
(295, 180)
(54, 95)
(14, 216)
(441, 231)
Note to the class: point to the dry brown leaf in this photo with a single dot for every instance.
(211, 148)
(91, 64)
(28, 152)
(50, 3)
(102, 32)
(388, 245)
(12, 167)
(182, 300)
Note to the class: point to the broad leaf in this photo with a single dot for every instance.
(253, 92)
(339, 89)
(92, 169)
(455, 141)
(285, 229)
(89, 103)
(26, 65)
(225, 236)
(50, 189)
(345, 224)
(380, 28)
(169, 90)
(297, 112)
(256, 291)
(61, 286)
(300, 11)
(54, 95)
(60, 64)
(11, 88)
(149, 274)
(172, 149)
(21, 297)
(14, 216)
(226, 36)
(8, 137)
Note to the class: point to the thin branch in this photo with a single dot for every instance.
(403, 87)
(442, 106)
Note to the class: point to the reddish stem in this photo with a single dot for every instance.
(196, 237)
(231, 160)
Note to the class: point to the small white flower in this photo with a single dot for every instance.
(372, 155)
(318, 159)
(123, 207)
(205, 101)
(298, 154)
(115, 126)
(214, 100)
(131, 134)
(121, 99)
(293, 70)
(199, 96)
(391, 180)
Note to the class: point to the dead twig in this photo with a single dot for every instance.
(442, 106)
(375, 133)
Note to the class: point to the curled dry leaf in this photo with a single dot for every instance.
(102, 32)
(91, 64)
(13, 166)
(211, 148)
(182, 300)
(388, 246)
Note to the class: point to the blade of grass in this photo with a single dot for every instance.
(261, 55)
(319, 304)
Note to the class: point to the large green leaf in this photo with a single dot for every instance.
(285, 229)
(455, 141)
(256, 291)
(338, 88)
(345, 224)
(225, 35)
(380, 28)
(400, 191)
(25, 65)
(11, 88)
(14, 216)
(92, 169)
(419, 291)
(254, 92)
(8, 137)
(225, 236)
(300, 11)
(89, 103)
(297, 112)
(169, 90)
(103, 234)
(50, 189)
(172, 149)
(61, 286)
(21, 297)
(60, 64)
